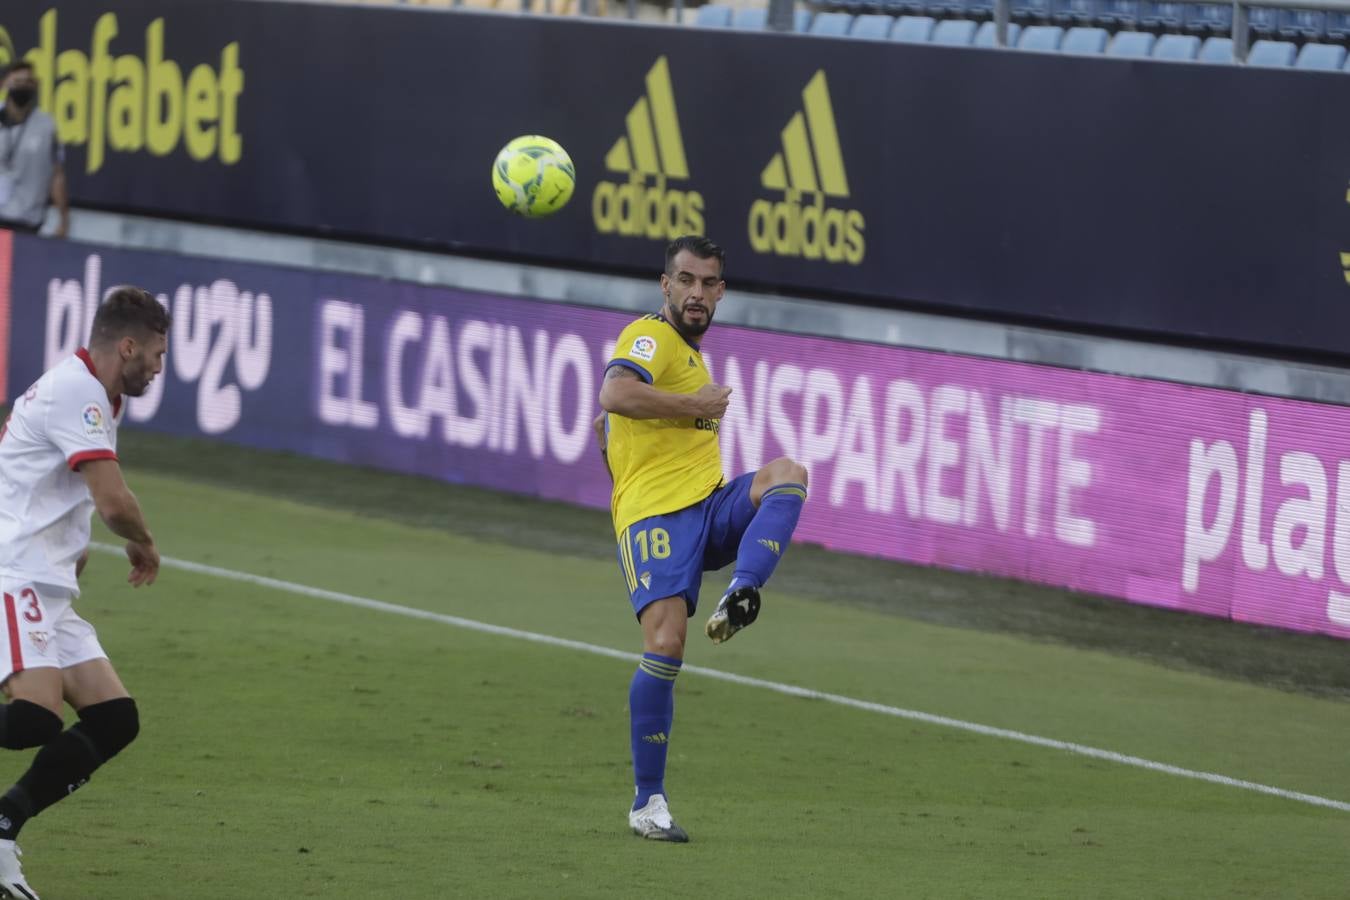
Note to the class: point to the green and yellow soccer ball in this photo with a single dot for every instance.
(534, 176)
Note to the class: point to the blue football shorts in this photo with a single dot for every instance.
(666, 556)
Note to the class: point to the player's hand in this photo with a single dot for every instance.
(710, 401)
(81, 562)
(144, 563)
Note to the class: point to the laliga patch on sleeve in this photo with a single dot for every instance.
(644, 348)
(93, 419)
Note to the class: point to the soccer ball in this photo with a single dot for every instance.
(534, 176)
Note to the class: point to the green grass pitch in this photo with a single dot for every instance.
(293, 747)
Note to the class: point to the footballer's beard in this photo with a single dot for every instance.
(689, 328)
(135, 384)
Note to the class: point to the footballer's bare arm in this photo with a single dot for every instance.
(624, 393)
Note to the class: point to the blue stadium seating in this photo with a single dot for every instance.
(1041, 37)
(1217, 50)
(873, 25)
(1124, 13)
(713, 15)
(1320, 56)
(984, 35)
(945, 7)
(831, 23)
(1029, 9)
(1209, 18)
(1277, 54)
(1302, 23)
(954, 33)
(1131, 43)
(904, 7)
(1161, 14)
(1073, 12)
(1263, 21)
(753, 18)
(1085, 40)
(1176, 46)
(913, 29)
(979, 9)
(756, 18)
(1338, 26)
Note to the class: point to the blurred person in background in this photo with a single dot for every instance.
(31, 173)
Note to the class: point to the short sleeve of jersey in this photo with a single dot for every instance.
(80, 423)
(646, 347)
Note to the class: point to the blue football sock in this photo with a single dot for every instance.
(766, 539)
(651, 704)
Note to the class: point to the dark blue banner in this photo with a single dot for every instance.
(1199, 202)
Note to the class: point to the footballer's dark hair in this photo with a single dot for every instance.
(21, 65)
(128, 312)
(700, 247)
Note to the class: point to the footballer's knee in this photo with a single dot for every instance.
(782, 470)
(111, 725)
(27, 725)
(666, 643)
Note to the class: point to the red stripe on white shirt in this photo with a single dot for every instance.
(88, 455)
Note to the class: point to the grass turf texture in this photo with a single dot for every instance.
(294, 747)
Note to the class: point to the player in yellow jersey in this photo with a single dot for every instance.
(675, 515)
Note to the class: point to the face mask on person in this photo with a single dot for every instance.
(22, 96)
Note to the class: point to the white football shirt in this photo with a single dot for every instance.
(63, 420)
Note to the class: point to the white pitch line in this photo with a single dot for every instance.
(788, 689)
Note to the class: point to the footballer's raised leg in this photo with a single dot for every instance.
(778, 493)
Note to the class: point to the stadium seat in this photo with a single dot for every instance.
(831, 23)
(1121, 13)
(903, 7)
(756, 18)
(1131, 43)
(945, 7)
(1209, 18)
(1176, 46)
(1029, 9)
(984, 35)
(1073, 12)
(979, 9)
(1263, 21)
(913, 29)
(713, 15)
(753, 18)
(1217, 50)
(1302, 23)
(1085, 40)
(1045, 38)
(1275, 54)
(1338, 26)
(876, 26)
(954, 33)
(1161, 14)
(1320, 56)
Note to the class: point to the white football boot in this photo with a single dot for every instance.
(653, 822)
(11, 873)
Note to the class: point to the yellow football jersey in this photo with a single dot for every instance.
(660, 465)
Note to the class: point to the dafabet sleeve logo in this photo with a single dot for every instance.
(131, 103)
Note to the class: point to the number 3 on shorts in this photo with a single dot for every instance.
(28, 602)
(655, 547)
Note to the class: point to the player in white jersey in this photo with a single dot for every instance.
(58, 464)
